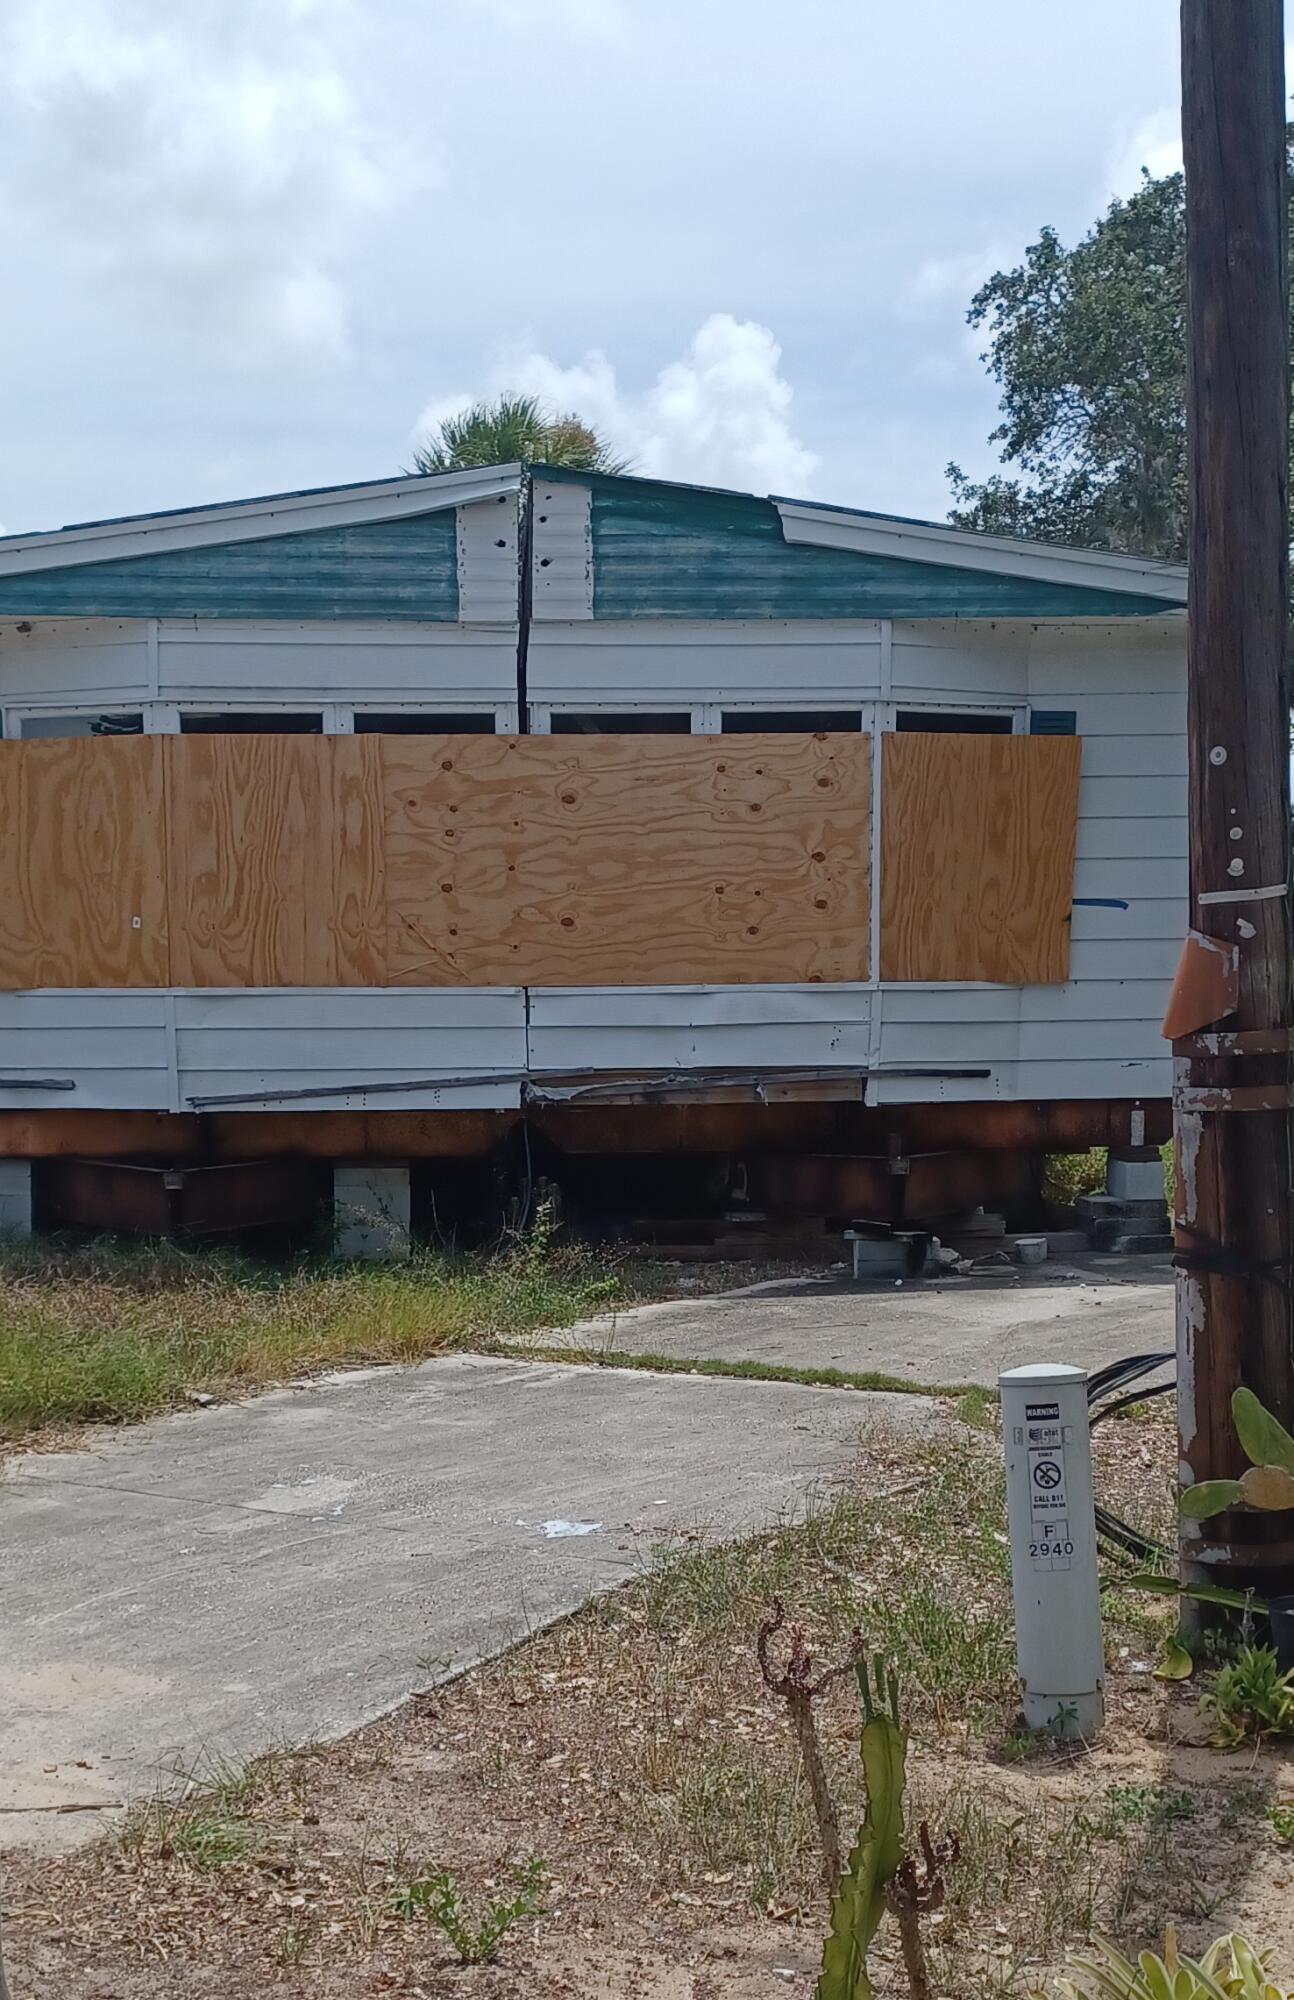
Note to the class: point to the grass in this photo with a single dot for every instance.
(105, 1332)
(765, 1371)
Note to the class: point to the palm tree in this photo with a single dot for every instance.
(510, 428)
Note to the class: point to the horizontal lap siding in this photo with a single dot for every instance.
(1128, 695)
(116, 1047)
(244, 1042)
(112, 1045)
(647, 1028)
(728, 662)
(947, 665)
(379, 569)
(74, 661)
(661, 552)
(354, 662)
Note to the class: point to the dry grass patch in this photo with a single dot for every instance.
(634, 1751)
(104, 1332)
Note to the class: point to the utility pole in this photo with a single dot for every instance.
(1232, 1117)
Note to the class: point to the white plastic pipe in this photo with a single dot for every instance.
(1059, 1646)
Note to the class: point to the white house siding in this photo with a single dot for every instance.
(112, 1047)
(60, 662)
(160, 1051)
(673, 662)
(619, 1028)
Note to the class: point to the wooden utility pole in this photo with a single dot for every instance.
(1233, 1118)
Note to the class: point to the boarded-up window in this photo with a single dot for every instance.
(977, 857)
(83, 863)
(546, 861)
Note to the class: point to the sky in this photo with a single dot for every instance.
(255, 245)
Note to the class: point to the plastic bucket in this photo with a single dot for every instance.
(1281, 1613)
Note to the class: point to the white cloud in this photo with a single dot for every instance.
(1154, 142)
(720, 415)
(206, 159)
(953, 280)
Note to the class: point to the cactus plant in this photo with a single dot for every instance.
(1268, 1485)
(860, 1901)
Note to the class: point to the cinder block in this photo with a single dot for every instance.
(15, 1197)
(1134, 1180)
(370, 1207)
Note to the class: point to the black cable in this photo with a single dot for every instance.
(1103, 1400)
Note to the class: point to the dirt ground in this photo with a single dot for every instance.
(635, 1752)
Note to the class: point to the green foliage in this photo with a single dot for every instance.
(1249, 1696)
(1088, 347)
(1160, 1585)
(515, 428)
(1230, 1970)
(1262, 1439)
(1268, 1485)
(1209, 1497)
(1068, 1175)
(1280, 1818)
(860, 1902)
(477, 1942)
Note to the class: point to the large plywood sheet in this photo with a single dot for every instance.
(83, 863)
(636, 860)
(276, 861)
(977, 857)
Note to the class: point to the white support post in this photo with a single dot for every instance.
(1050, 1513)
(371, 1211)
(15, 1198)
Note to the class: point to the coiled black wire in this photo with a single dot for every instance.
(1104, 1399)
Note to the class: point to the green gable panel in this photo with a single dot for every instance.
(405, 568)
(667, 553)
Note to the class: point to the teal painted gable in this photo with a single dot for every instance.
(404, 568)
(668, 552)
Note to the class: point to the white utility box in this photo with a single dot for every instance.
(1051, 1517)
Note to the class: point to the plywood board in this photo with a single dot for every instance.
(83, 863)
(636, 860)
(276, 860)
(977, 857)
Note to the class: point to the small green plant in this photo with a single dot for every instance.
(1280, 1818)
(1230, 1969)
(1249, 1696)
(1141, 1805)
(1241, 1804)
(477, 1942)
(202, 1837)
(1020, 1743)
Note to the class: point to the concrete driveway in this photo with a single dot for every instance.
(281, 1570)
(1089, 1312)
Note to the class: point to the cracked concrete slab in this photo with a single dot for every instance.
(1088, 1312)
(280, 1570)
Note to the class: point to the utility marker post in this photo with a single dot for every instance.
(1059, 1646)
(1232, 1090)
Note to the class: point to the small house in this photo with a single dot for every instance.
(524, 819)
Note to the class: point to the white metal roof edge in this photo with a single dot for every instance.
(962, 548)
(254, 520)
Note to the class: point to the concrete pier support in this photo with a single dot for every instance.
(15, 1198)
